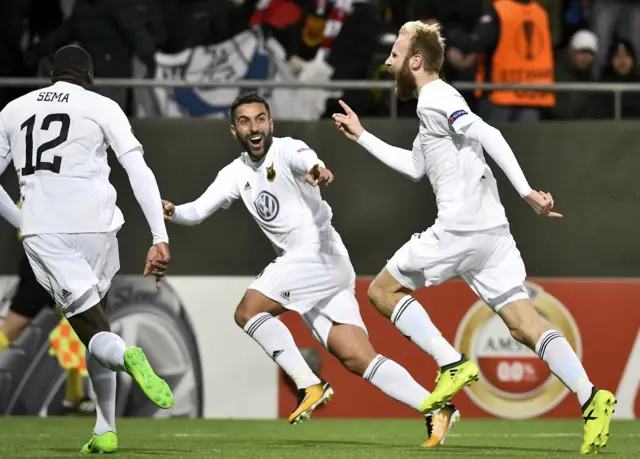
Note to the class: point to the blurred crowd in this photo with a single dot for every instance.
(487, 40)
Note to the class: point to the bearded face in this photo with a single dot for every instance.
(406, 86)
(398, 65)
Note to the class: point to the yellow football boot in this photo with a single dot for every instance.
(309, 399)
(596, 415)
(451, 379)
(439, 424)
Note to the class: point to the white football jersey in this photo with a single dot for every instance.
(58, 138)
(465, 188)
(290, 211)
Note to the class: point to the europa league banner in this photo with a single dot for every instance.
(599, 318)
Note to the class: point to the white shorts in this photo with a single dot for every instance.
(70, 265)
(319, 287)
(488, 261)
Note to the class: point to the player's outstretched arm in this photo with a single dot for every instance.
(219, 195)
(404, 161)
(497, 147)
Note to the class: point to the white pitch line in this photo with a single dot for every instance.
(535, 435)
(207, 435)
(462, 435)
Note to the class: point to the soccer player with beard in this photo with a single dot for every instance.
(470, 237)
(277, 179)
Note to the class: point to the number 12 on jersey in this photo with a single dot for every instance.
(29, 167)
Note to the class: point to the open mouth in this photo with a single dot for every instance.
(256, 141)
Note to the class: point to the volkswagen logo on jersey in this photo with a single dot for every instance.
(515, 383)
(267, 206)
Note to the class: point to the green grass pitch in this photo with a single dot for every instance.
(318, 439)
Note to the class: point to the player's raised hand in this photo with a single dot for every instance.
(318, 176)
(542, 203)
(348, 123)
(157, 261)
(168, 209)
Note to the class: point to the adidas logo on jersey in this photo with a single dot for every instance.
(285, 295)
(247, 186)
(65, 294)
(277, 353)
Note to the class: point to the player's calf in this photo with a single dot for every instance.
(384, 292)
(256, 315)
(395, 302)
(530, 329)
(351, 346)
(253, 303)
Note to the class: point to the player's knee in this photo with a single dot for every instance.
(356, 362)
(243, 314)
(526, 334)
(376, 294)
(519, 335)
(89, 323)
(381, 299)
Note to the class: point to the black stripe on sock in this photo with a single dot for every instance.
(545, 343)
(402, 309)
(380, 361)
(252, 329)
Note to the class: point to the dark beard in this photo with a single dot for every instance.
(405, 83)
(246, 146)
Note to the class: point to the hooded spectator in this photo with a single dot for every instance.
(621, 67)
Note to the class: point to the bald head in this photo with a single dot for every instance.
(73, 64)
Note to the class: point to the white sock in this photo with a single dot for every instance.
(109, 349)
(395, 381)
(554, 349)
(413, 322)
(276, 340)
(103, 382)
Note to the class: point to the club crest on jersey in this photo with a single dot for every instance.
(267, 206)
(271, 173)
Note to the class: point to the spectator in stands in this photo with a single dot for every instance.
(112, 31)
(513, 43)
(334, 38)
(575, 65)
(621, 68)
(12, 20)
(191, 23)
(462, 15)
(614, 18)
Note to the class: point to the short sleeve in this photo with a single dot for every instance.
(116, 127)
(5, 147)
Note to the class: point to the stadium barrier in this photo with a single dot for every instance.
(591, 168)
(338, 85)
